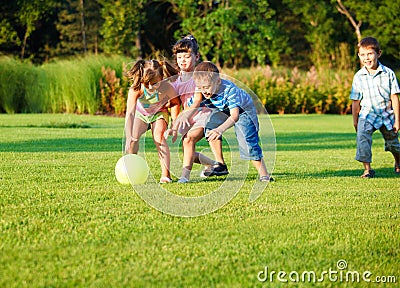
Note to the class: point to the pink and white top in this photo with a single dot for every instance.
(185, 90)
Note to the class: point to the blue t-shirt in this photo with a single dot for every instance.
(230, 96)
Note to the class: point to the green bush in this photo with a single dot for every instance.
(20, 85)
(95, 84)
(292, 91)
(71, 86)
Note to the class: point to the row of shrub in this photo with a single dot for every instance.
(96, 85)
(293, 91)
(82, 85)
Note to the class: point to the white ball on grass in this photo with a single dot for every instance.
(131, 169)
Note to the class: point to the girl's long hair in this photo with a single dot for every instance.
(143, 71)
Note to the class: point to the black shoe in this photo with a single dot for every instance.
(368, 174)
(218, 169)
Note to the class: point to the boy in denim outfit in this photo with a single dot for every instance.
(375, 105)
(240, 112)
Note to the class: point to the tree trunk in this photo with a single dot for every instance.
(24, 45)
(83, 28)
(342, 9)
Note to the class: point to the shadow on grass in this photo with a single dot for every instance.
(64, 145)
(303, 141)
(62, 125)
(356, 173)
(72, 145)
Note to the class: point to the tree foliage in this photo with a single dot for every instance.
(121, 26)
(78, 26)
(234, 33)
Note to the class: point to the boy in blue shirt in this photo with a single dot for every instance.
(375, 105)
(239, 111)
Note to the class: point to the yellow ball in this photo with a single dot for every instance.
(131, 169)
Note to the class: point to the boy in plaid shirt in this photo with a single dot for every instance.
(375, 105)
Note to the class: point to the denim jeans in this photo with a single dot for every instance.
(364, 140)
(246, 131)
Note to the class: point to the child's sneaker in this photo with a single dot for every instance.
(218, 169)
(266, 179)
(183, 180)
(202, 173)
(164, 180)
(368, 174)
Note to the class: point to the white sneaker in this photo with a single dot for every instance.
(183, 180)
(164, 180)
(202, 175)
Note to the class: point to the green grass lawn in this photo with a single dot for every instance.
(66, 222)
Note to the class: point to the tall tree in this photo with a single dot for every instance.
(233, 32)
(121, 27)
(378, 19)
(83, 27)
(78, 25)
(29, 14)
(356, 24)
(8, 26)
(317, 17)
(386, 28)
(157, 29)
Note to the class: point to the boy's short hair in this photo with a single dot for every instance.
(369, 42)
(206, 70)
(187, 44)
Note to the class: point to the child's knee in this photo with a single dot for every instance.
(391, 141)
(189, 140)
(392, 146)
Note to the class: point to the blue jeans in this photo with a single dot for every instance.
(364, 140)
(246, 131)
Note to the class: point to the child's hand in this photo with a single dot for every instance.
(396, 127)
(213, 135)
(183, 121)
(355, 124)
(128, 144)
(171, 132)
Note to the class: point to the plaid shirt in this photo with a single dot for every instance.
(374, 92)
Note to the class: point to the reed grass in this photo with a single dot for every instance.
(63, 86)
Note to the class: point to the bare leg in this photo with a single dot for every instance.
(189, 144)
(367, 166)
(158, 128)
(261, 168)
(139, 127)
(368, 172)
(202, 159)
(216, 148)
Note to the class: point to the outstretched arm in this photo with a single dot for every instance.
(130, 118)
(189, 112)
(174, 104)
(217, 132)
(182, 121)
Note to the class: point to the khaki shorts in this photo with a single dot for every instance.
(152, 118)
